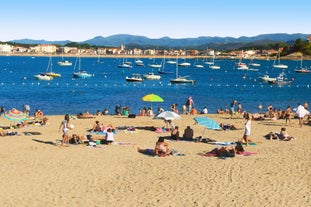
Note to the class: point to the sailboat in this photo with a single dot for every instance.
(213, 66)
(64, 62)
(181, 79)
(252, 63)
(197, 64)
(162, 70)
(98, 61)
(49, 69)
(185, 63)
(125, 64)
(80, 73)
(302, 69)
(276, 62)
(154, 64)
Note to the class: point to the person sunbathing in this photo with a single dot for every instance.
(161, 149)
(76, 139)
(97, 127)
(224, 152)
(228, 126)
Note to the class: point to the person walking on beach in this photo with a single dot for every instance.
(189, 104)
(247, 129)
(2, 110)
(65, 126)
(287, 114)
(232, 107)
(301, 112)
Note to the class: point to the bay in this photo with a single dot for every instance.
(107, 88)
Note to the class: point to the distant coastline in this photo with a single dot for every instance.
(288, 57)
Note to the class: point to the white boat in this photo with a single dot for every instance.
(184, 64)
(151, 76)
(80, 73)
(197, 64)
(172, 62)
(242, 67)
(281, 80)
(98, 61)
(64, 62)
(181, 79)
(43, 76)
(139, 62)
(213, 66)
(134, 78)
(154, 64)
(266, 78)
(252, 63)
(302, 69)
(277, 63)
(49, 69)
(125, 64)
(240, 64)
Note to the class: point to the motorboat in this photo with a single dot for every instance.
(281, 80)
(154, 65)
(64, 63)
(183, 79)
(302, 70)
(43, 76)
(266, 78)
(134, 78)
(151, 76)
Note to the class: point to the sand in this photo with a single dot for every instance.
(35, 172)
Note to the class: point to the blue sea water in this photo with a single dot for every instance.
(107, 88)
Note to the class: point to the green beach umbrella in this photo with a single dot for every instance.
(152, 98)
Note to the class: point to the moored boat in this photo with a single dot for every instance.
(44, 77)
(134, 78)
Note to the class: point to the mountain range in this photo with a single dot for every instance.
(166, 42)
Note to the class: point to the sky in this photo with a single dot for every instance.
(77, 20)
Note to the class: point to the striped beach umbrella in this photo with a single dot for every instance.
(15, 115)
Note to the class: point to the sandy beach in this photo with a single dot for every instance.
(35, 172)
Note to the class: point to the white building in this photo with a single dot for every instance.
(5, 48)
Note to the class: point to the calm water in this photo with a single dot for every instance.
(214, 88)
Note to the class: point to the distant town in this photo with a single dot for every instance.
(53, 50)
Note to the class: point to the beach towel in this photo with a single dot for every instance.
(131, 131)
(124, 143)
(231, 143)
(245, 153)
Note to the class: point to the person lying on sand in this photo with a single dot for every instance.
(161, 149)
(283, 135)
